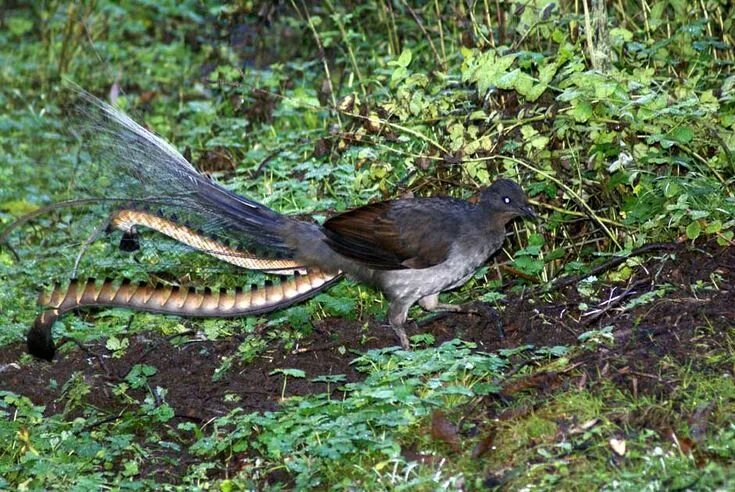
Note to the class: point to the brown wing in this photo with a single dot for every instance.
(394, 235)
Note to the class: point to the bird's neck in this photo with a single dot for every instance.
(490, 219)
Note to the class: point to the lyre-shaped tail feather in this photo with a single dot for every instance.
(142, 167)
(128, 219)
(170, 300)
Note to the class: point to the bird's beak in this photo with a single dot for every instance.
(528, 212)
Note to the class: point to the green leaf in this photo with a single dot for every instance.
(524, 85)
(18, 207)
(399, 74)
(528, 265)
(620, 35)
(725, 238)
(581, 112)
(682, 134)
(405, 59)
(294, 373)
(139, 374)
(535, 92)
(547, 72)
(713, 227)
(694, 230)
(528, 131)
(490, 70)
(539, 142)
(18, 25)
(115, 344)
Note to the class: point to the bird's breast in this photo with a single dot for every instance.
(451, 273)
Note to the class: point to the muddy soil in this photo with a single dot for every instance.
(682, 322)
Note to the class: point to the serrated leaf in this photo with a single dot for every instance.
(535, 92)
(508, 80)
(528, 265)
(490, 70)
(547, 72)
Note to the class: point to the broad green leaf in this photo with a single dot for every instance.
(405, 59)
(535, 92)
(294, 373)
(539, 142)
(490, 70)
(581, 112)
(547, 72)
(693, 230)
(619, 35)
(18, 25)
(682, 134)
(725, 238)
(399, 74)
(713, 227)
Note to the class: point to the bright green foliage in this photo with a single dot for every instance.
(320, 439)
(437, 98)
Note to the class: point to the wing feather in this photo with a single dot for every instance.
(394, 235)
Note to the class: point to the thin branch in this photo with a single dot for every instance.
(612, 263)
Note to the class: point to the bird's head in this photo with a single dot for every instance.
(506, 200)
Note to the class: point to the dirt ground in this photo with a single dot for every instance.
(682, 324)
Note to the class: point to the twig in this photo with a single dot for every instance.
(426, 34)
(611, 303)
(612, 263)
(263, 163)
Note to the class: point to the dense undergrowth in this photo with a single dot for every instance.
(317, 107)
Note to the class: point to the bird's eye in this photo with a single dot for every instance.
(506, 200)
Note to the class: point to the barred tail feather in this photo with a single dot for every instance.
(170, 300)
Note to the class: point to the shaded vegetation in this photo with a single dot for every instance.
(317, 107)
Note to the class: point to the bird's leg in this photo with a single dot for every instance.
(397, 314)
(478, 308)
(431, 303)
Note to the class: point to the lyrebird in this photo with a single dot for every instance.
(410, 249)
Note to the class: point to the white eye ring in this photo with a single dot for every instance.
(506, 200)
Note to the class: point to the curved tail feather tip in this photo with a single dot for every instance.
(170, 300)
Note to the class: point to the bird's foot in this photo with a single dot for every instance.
(400, 332)
(403, 338)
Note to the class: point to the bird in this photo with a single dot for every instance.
(410, 249)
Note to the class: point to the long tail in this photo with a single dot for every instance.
(128, 220)
(141, 167)
(170, 300)
(144, 169)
